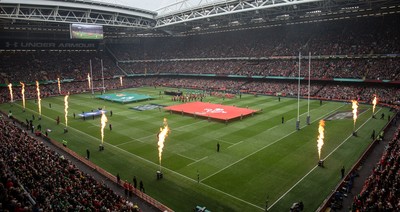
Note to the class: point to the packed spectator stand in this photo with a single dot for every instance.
(381, 189)
(365, 49)
(362, 36)
(328, 91)
(328, 68)
(29, 66)
(36, 178)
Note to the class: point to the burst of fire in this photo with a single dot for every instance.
(66, 109)
(88, 78)
(374, 105)
(59, 85)
(11, 92)
(120, 80)
(23, 93)
(162, 135)
(320, 141)
(38, 97)
(103, 121)
(354, 106)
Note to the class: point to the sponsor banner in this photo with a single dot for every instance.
(90, 114)
(147, 107)
(343, 115)
(59, 44)
(124, 97)
(340, 115)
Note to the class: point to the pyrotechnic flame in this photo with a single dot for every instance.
(120, 80)
(320, 141)
(354, 106)
(103, 125)
(59, 85)
(23, 93)
(374, 105)
(11, 92)
(88, 78)
(161, 138)
(66, 109)
(38, 97)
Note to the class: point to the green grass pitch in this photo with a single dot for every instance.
(260, 160)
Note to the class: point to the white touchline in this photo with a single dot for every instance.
(316, 165)
(225, 167)
(157, 165)
(262, 148)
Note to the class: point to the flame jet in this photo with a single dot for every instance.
(321, 136)
(59, 85)
(88, 78)
(38, 97)
(374, 105)
(103, 121)
(66, 109)
(23, 93)
(11, 92)
(355, 107)
(162, 135)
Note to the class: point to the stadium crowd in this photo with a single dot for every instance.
(29, 66)
(32, 173)
(35, 178)
(374, 69)
(381, 190)
(375, 35)
(75, 87)
(274, 55)
(330, 91)
(371, 69)
(336, 55)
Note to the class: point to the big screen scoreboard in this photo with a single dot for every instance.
(86, 31)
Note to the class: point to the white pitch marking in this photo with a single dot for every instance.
(283, 195)
(157, 165)
(272, 128)
(262, 148)
(197, 161)
(185, 157)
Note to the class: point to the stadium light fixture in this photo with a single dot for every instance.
(234, 23)
(283, 16)
(314, 12)
(257, 20)
(350, 8)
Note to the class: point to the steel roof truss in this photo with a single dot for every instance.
(71, 15)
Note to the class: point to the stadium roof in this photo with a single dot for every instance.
(130, 18)
(152, 5)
